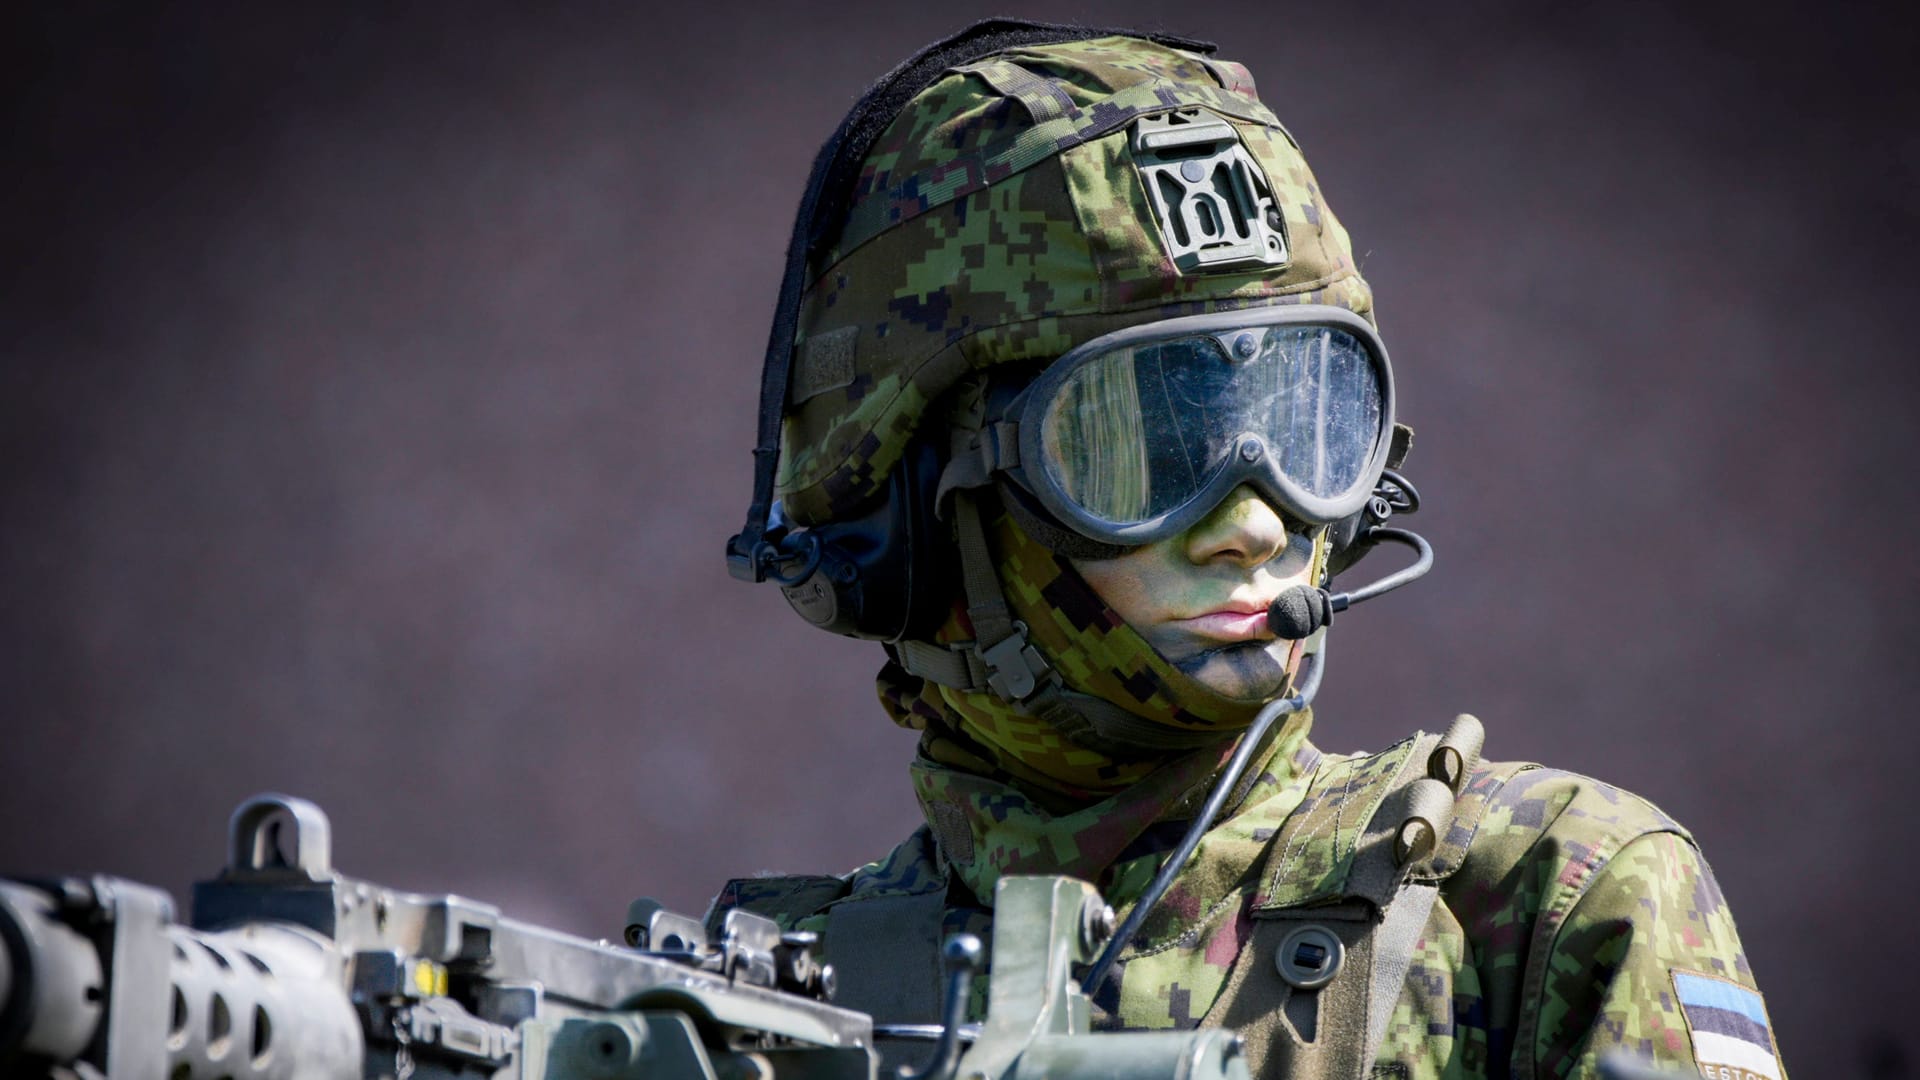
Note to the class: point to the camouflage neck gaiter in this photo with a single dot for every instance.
(1095, 652)
(987, 828)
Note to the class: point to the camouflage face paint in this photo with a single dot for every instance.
(1200, 598)
(1097, 652)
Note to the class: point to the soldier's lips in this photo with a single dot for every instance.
(1229, 625)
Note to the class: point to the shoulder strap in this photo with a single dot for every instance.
(1347, 887)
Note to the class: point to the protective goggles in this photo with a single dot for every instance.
(1138, 434)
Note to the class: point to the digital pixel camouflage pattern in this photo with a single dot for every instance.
(1094, 651)
(1000, 219)
(1566, 906)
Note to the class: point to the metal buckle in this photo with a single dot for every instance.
(1014, 667)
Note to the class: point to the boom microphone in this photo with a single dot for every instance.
(1301, 610)
(1298, 612)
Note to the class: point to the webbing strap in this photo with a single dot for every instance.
(986, 603)
(1044, 99)
(1015, 669)
(1393, 943)
(958, 667)
(1335, 1031)
(1001, 661)
(1294, 1034)
(968, 173)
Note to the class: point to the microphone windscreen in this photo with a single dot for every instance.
(1297, 613)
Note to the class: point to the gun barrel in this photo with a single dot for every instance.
(50, 978)
(95, 970)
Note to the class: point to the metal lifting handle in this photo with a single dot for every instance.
(256, 842)
(961, 957)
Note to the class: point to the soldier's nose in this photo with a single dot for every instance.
(1243, 530)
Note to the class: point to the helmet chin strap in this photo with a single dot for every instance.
(1002, 661)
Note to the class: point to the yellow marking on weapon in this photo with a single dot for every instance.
(430, 979)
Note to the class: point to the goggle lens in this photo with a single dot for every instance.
(1138, 431)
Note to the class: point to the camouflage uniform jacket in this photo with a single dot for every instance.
(1567, 911)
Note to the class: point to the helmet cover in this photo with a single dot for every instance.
(1004, 217)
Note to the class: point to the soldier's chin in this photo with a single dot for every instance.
(1248, 671)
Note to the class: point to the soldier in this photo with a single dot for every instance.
(1077, 403)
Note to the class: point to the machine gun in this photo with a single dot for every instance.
(290, 971)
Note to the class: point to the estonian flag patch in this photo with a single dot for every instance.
(1732, 1039)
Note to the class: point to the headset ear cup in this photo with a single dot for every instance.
(887, 573)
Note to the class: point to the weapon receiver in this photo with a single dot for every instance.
(290, 971)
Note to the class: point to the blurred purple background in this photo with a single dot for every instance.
(379, 390)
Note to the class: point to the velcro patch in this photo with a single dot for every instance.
(1732, 1039)
(825, 363)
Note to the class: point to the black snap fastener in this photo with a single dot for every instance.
(1309, 956)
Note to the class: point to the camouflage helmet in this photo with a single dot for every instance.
(1019, 205)
(999, 200)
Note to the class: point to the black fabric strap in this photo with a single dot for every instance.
(1050, 534)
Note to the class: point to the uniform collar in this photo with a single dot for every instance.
(985, 828)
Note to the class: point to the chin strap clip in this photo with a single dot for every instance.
(1004, 662)
(1015, 668)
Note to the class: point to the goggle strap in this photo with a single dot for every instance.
(977, 455)
(1048, 533)
(1400, 447)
